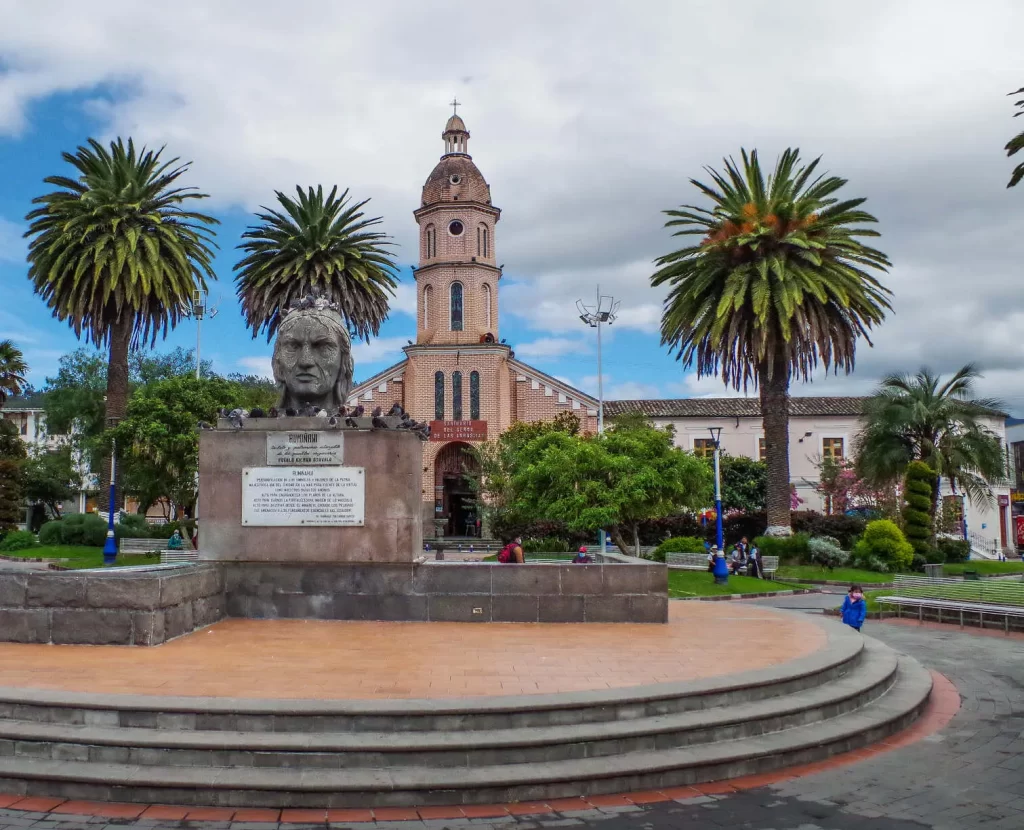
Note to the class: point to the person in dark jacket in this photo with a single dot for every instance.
(855, 608)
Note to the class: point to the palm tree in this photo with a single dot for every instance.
(13, 369)
(315, 246)
(919, 418)
(1016, 144)
(117, 254)
(778, 282)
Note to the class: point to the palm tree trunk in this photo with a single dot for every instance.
(773, 380)
(117, 391)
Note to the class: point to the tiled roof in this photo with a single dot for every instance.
(732, 407)
(20, 403)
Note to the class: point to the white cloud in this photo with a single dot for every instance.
(378, 350)
(12, 246)
(404, 301)
(550, 347)
(256, 365)
(632, 390)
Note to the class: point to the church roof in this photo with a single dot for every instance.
(456, 179)
(455, 123)
(733, 407)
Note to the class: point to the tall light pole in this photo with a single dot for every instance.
(594, 316)
(110, 544)
(716, 438)
(197, 309)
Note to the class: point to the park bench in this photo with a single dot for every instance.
(699, 562)
(167, 557)
(992, 597)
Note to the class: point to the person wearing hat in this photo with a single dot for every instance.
(712, 551)
(582, 557)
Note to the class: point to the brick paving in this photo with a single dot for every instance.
(969, 774)
(338, 660)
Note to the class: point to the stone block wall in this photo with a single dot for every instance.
(143, 607)
(450, 592)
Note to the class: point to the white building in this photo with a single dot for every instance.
(819, 428)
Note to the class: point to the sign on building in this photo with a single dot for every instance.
(458, 430)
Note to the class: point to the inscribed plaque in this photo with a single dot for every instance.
(305, 447)
(303, 496)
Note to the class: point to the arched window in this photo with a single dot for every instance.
(438, 396)
(431, 237)
(487, 306)
(428, 301)
(456, 396)
(474, 396)
(455, 307)
(483, 245)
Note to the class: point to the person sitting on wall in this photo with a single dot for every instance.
(512, 553)
(712, 552)
(738, 559)
(582, 557)
(176, 542)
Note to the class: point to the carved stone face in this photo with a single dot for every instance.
(312, 360)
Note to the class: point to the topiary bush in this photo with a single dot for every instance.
(83, 529)
(953, 550)
(846, 529)
(918, 488)
(678, 544)
(792, 548)
(884, 541)
(18, 540)
(825, 551)
(52, 533)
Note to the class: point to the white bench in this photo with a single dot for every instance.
(996, 598)
(699, 562)
(167, 557)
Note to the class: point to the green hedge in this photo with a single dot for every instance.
(792, 547)
(677, 544)
(883, 542)
(18, 540)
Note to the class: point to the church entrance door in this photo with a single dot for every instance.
(454, 471)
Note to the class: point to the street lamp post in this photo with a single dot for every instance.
(198, 309)
(110, 544)
(716, 438)
(603, 312)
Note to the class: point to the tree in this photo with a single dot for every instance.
(744, 482)
(146, 366)
(50, 478)
(256, 391)
(616, 480)
(315, 246)
(1016, 144)
(917, 504)
(778, 282)
(117, 254)
(12, 456)
(920, 418)
(159, 438)
(13, 369)
(842, 488)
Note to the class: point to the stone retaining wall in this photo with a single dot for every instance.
(450, 592)
(141, 606)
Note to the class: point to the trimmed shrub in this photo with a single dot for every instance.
(82, 529)
(680, 544)
(846, 529)
(18, 540)
(825, 551)
(953, 550)
(52, 533)
(134, 526)
(918, 488)
(795, 547)
(884, 541)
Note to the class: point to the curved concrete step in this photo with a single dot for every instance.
(871, 677)
(437, 715)
(883, 716)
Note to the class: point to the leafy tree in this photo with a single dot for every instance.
(616, 480)
(256, 391)
(1016, 144)
(117, 254)
(917, 504)
(778, 282)
(147, 366)
(12, 456)
(13, 369)
(744, 483)
(50, 478)
(920, 418)
(315, 245)
(159, 438)
(842, 488)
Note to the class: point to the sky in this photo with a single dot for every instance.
(588, 119)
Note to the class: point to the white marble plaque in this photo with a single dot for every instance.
(305, 447)
(303, 496)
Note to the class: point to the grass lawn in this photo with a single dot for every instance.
(983, 566)
(702, 584)
(798, 572)
(78, 556)
(96, 560)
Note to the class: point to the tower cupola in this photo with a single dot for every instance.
(455, 135)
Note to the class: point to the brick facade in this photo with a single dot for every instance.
(463, 254)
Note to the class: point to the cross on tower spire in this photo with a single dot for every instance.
(455, 106)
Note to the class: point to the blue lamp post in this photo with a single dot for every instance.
(716, 438)
(110, 545)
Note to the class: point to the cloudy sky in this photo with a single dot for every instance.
(587, 118)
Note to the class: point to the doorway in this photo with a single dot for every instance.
(455, 468)
(1002, 525)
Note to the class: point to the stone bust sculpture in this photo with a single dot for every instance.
(312, 360)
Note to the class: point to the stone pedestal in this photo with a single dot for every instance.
(392, 469)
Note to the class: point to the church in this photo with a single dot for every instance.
(459, 375)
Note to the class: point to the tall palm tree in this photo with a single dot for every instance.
(116, 252)
(1016, 144)
(920, 418)
(315, 246)
(13, 369)
(778, 282)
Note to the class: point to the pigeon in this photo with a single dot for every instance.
(341, 411)
(237, 417)
(350, 421)
(308, 411)
(378, 420)
(396, 410)
(204, 425)
(359, 411)
(273, 413)
(290, 412)
(332, 421)
(423, 430)
(256, 412)
(222, 412)
(321, 413)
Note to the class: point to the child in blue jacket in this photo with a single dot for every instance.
(855, 608)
